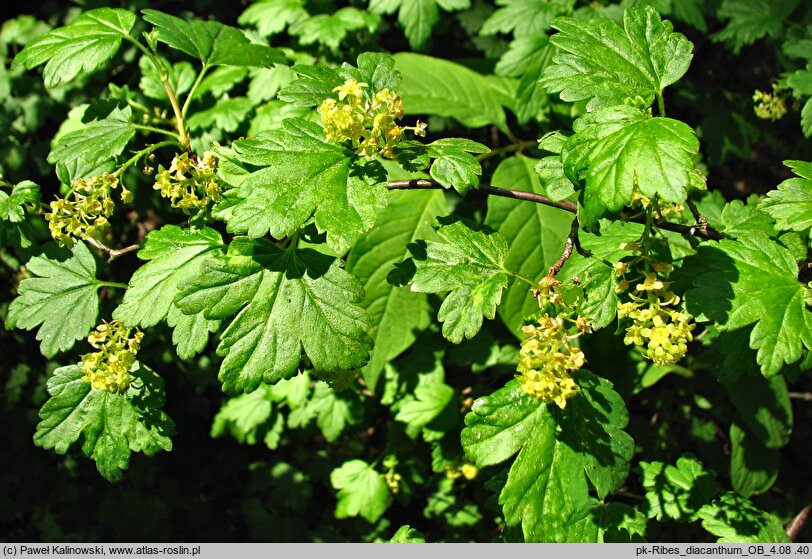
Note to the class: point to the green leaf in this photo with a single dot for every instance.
(285, 300)
(754, 281)
(431, 396)
(112, 425)
(677, 492)
(174, 258)
(618, 523)
(469, 264)
(333, 413)
(417, 17)
(558, 450)
(439, 87)
(535, 235)
(84, 45)
(753, 466)
(396, 313)
(243, 416)
(60, 298)
(525, 17)
(750, 20)
(619, 149)
(407, 534)
(453, 167)
(607, 64)
(97, 142)
(273, 16)
(735, 519)
(736, 217)
(180, 75)
(763, 406)
(331, 29)
(301, 174)
(213, 43)
(14, 228)
(791, 204)
(227, 115)
(361, 491)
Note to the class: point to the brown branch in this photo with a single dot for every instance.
(701, 232)
(112, 253)
(797, 524)
(568, 246)
(806, 396)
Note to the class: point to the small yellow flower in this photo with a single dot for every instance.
(109, 368)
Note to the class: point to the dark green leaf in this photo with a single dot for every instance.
(112, 425)
(753, 467)
(763, 405)
(677, 492)
(754, 280)
(470, 264)
(285, 300)
(734, 519)
(791, 204)
(525, 17)
(60, 298)
(301, 174)
(751, 20)
(607, 64)
(82, 46)
(97, 142)
(331, 29)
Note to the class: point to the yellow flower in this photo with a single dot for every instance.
(350, 87)
(109, 368)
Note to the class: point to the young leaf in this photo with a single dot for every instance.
(13, 225)
(112, 424)
(417, 17)
(213, 43)
(396, 313)
(439, 87)
(736, 217)
(331, 29)
(333, 413)
(735, 519)
(285, 300)
(546, 488)
(174, 256)
(82, 46)
(754, 280)
(601, 62)
(791, 204)
(60, 298)
(431, 396)
(361, 491)
(619, 149)
(226, 115)
(753, 467)
(407, 534)
(525, 17)
(97, 142)
(301, 174)
(273, 16)
(453, 166)
(535, 235)
(677, 492)
(751, 20)
(244, 416)
(470, 264)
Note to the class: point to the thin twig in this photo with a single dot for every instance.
(707, 233)
(797, 524)
(807, 396)
(112, 253)
(568, 246)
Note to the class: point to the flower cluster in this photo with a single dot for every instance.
(368, 122)
(769, 106)
(190, 182)
(86, 215)
(660, 208)
(109, 367)
(657, 325)
(548, 356)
